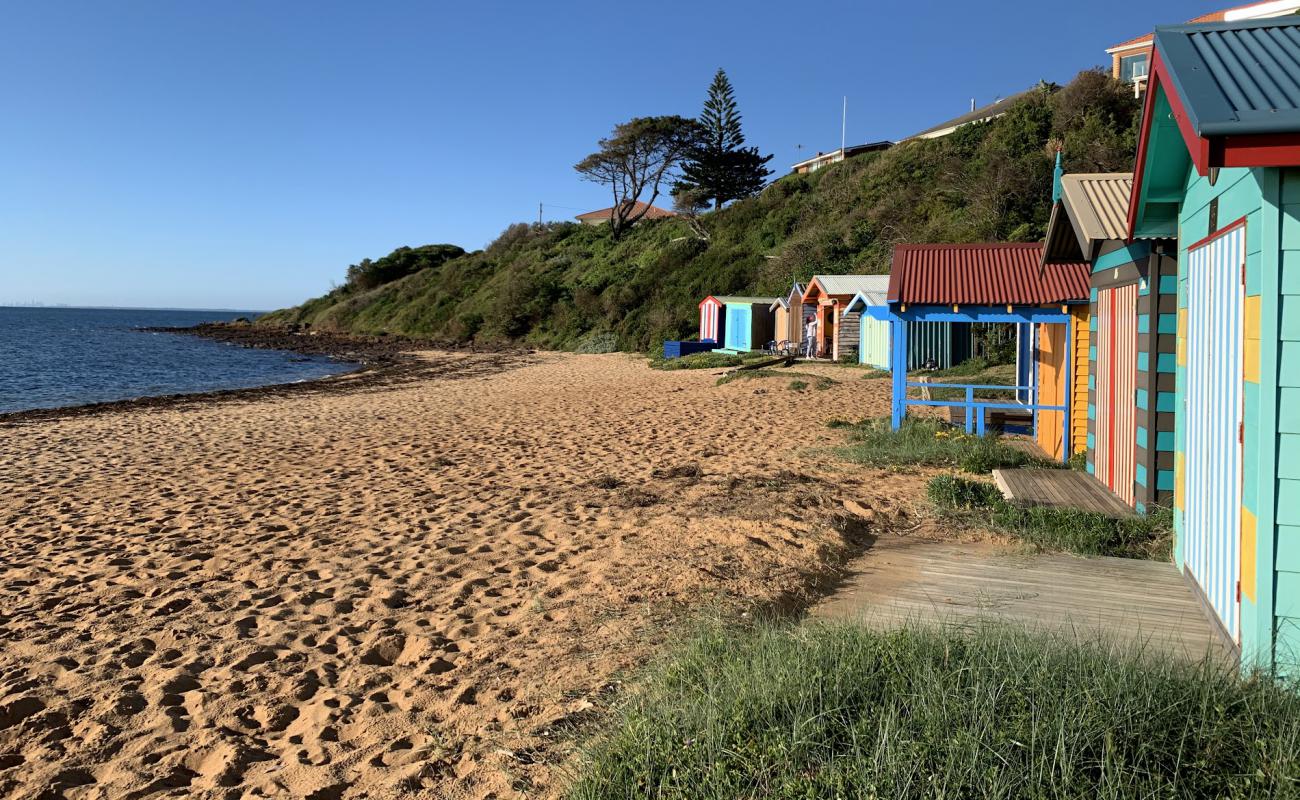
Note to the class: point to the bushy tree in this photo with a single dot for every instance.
(720, 168)
(640, 157)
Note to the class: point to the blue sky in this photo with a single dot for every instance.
(240, 154)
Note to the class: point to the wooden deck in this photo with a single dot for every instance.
(1059, 488)
(902, 580)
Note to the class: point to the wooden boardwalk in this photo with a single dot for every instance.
(904, 580)
(1059, 488)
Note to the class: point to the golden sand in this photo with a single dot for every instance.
(421, 590)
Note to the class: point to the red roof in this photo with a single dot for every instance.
(655, 212)
(982, 275)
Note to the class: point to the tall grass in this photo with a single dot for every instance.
(837, 711)
(923, 442)
(1085, 533)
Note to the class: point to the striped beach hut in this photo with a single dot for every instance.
(713, 323)
(1129, 356)
(1218, 167)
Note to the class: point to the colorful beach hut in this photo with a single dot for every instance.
(788, 316)
(1218, 167)
(749, 324)
(713, 323)
(939, 344)
(995, 283)
(1129, 425)
(830, 295)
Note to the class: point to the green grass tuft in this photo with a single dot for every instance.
(798, 386)
(697, 361)
(1085, 533)
(922, 442)
(841, 711)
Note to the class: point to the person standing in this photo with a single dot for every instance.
(810, 336)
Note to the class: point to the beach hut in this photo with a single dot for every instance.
(829, 296)
(788, 315)
(749, 324)
(713, 322)
(995, 283)
(941, 344)
(1129, 425)
(1218, 167)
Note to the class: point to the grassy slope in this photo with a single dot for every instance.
(559, 285)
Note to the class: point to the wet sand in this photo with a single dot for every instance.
(426, 587)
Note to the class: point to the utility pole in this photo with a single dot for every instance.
(539, 215)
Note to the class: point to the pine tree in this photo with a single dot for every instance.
(720, 168)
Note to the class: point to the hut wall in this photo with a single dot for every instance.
(846, 331)
(873, 342)
(781, 322)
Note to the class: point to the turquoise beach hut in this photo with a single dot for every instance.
(749, 322)
(1218, 168)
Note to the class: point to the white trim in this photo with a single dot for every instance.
(1134, 46)
(1276, 8)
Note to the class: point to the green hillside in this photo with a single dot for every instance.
(568, 286)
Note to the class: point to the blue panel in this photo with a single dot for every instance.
(1165, 441)
(1165, 480)
(1144, 323)
(1141, 436)
(1141, 475)
(738, 328)
(1167, 363)
(1144, 362)
(1168, 284)
(1142, 399)
(1166, 401)
(1168, 324)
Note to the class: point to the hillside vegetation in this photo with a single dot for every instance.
(568, 286)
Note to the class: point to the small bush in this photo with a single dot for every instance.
(798, 386)
(837, 424)
(922, 442)
(843, 711)
(951, 491)
(597, 342)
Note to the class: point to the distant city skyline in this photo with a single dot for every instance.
(242, 155)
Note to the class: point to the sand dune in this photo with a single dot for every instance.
(420, 590)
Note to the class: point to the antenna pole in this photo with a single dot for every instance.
(539, 215)
(844, 116)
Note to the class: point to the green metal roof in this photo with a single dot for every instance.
(1235, 78)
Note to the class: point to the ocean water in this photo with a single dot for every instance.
(53, 357)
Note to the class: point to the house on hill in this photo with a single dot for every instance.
(1218, 167)
(603, 215)
(835, 156)
(1131, 59)
(982, 114)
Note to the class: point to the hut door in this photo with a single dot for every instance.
(737, 329)
(1214, 398)
(1115, 456)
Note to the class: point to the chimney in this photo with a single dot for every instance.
(972, 104)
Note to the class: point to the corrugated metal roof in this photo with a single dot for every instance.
(869, 300)
(852, 284)
(1235, 78)
(1098, 203)
(995, 109)
(982, 274)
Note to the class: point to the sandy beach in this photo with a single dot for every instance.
(420, 589)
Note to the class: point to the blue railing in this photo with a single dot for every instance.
(974, 409)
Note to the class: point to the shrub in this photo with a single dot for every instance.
(1084, 533)
(798, 386)
(597, 342)
(842, 711)
(697, 361)
(923, 442)
(951, 491)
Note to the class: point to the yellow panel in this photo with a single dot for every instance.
(1182, 337)
(1079, 406)
(1248, 537)
(1250, 358)
(1178, 481)
(1251, 323)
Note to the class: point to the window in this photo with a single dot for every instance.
(1132, 68)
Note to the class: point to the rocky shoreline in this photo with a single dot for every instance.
(382, 361)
